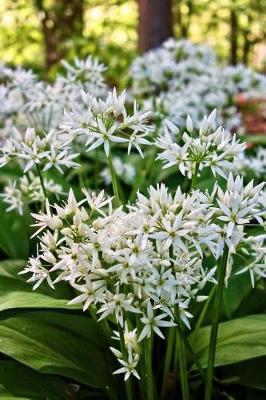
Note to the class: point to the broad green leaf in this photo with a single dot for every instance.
(20, 382)
(250, 373)
(238, 340)
(14, 233)
(11, 268)
(238, 289)
(58, 343)
(15, 292)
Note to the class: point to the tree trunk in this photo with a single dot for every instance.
(246, 48)
(61, 22)
(234, 37)
(155, 23)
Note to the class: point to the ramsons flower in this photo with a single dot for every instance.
(194, 150)
(103, 122)
(31, 148)
(27, 190)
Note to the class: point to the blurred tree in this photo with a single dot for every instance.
(234, 32)
(183, 11)
(155, 23)
(61, 21)
(253, 26)
(37, 33)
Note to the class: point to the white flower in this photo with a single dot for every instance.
(44, 149)
(107, 121)
(88, 74)
(180, 78)
(206, 148)
(27, 190)
(238, 204)
(97, 202)
(152, 322)
(117, 304)
(48, 220)
(257, 266)
(129, 366)
(39, 273)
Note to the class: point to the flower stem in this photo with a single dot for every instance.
(168, 359)
(141, 361)
(182, 359)
(189, 349)
(215, 324)
(143, 173)
(41, 180)
(194, 177)
(150, 392)
(129, 394)
(203, 312)
(114, 180)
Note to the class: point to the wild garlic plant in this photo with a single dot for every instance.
(105, 123)
(34, 152)
(51, 139)
(139, 267)
(196, 149)
(27, 101)
(31, 113)
(181, 78)
(28, 190)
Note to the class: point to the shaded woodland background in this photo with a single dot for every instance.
(38, 33)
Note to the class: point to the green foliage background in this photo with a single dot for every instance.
(110, 31)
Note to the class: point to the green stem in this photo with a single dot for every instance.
(129, 395)
(143, 172)
(189, 349)
(176, 354)
(182, 359)
(194, 356)
(168, 359)
(194, 177)
(114, 180)
(215, 324)
(203, 313)
(141, 361)
(150, 392)
(41, 180)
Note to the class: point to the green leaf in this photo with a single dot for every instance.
(20, 382)
(238, 340)
(58, 343)
(15, 292)
(14, 233)
(250, 373)
(239, 287)
(256, 139)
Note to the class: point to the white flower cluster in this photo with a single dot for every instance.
(26, 101)
(101, 122)
(256, 163)
(33, 149)
(90, 123)
(237, 206)
(182, 78)
(156, 71)
(146, 261)
(87, 75)
(194, 149)
(28, 190)
(254, 253)
(129, 361)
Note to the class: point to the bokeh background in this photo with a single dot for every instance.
(38, 33)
